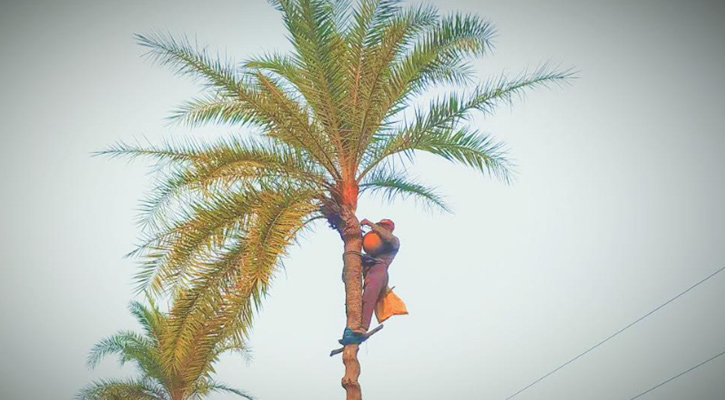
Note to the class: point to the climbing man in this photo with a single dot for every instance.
(375, 275)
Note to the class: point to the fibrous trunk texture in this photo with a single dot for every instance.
(352, 271)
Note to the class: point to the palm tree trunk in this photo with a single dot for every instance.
(352, 237)
(176, 394)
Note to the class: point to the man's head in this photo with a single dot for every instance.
(387, 224)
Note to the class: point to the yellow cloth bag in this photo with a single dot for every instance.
(389, 304)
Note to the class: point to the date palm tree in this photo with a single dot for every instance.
(340, 115)
(161, 379)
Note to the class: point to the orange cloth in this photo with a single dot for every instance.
(389, 304)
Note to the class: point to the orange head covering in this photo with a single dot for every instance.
(388, 223)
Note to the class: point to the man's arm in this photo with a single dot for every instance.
(387, 236)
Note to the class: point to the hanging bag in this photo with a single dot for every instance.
(389, 304)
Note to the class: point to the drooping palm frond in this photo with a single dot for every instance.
(183, 241)
(130, 346)
(198, 168)
(221, 299)
(391, 185)
(212, 387)
(209, 287)
(469, 148)
(191, 378)
(167, 256)
(142, 350)
(130, 389)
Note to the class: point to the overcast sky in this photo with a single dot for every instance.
(617, 207)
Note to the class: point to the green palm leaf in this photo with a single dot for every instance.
(179, 54)
(161, 379)
(257, 99)
(212, 109)
(219, 167)
(221, 297)
(392, 185)
(436, 130)
(212, 386)
(130, 389)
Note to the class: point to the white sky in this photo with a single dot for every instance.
(618, 206)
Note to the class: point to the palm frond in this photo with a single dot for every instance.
(341, 13)
(245, 99)
(391, 185)
(187, 59)
(159, 376)
(150, 318)
(279, 225)
(438, 57)
(439, 124)
(441, 55)
(141, 350)
(282, 65)
(278, 220)
(226, 163)
(161, 154)
(128, 345)
(220, 298)
(318, 45)
(131, 389)
(369, 80)
(275, 229)
(200, 231)
(503, 90)
(205, 216)
(213, 109)
(212, 386)
(289, 122)
(196, 307)
(468, 147)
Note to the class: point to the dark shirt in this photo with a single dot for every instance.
(391, 245)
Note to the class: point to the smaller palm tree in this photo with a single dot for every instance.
(189, 379)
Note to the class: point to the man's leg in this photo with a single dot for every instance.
(375, 281)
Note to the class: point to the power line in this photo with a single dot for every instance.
(615, 334)
(678, 375)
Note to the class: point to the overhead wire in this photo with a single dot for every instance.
(678, 375)
(615, 334)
